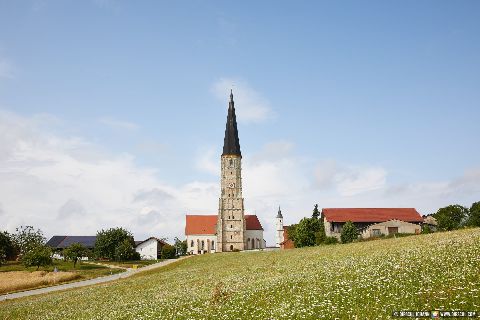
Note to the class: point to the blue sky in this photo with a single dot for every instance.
(343, 104)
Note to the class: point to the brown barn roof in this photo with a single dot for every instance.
(206, 224)
(371, 214)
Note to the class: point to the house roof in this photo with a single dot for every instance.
(62, 242)
(137, 243)
(207, 224)
(371, 214)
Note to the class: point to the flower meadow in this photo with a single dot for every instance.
(364, 280)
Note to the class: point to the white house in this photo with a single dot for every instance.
(150, 249)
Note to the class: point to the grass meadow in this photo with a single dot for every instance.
(15, 277)
(365, 280)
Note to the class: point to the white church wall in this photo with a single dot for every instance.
(194, 243)
(257, 236)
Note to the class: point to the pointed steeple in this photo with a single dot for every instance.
(231, 143)
(279, 214)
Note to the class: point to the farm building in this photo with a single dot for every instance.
(372, 221)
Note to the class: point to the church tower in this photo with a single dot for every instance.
(279, 228)
(231, 220)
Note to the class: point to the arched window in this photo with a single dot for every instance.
(233, 217)
(231, 247)
(231, 237)
(203, 244)
(248, 243)
(191, 244)
(231, 162)
(231, 226)
(253, 243)
(213, 245)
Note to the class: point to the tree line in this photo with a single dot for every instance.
(28, 245)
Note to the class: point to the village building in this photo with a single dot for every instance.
(201, 233)
(430, 221)
(150, 249)
(372, 222)
(282, 240)
(230, 229)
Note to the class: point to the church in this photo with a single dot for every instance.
(230, 229)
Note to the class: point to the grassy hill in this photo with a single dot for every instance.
(367, 279)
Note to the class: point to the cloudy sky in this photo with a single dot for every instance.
(112, 113)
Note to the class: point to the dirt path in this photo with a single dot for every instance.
(88, 282)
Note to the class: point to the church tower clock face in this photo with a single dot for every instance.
(231, 218)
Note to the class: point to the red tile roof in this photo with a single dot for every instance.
(252, 222)
(371, 214)
(206, 224)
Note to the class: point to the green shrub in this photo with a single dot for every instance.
(39, 256)
(168, 252)
(349, 232)
(330, 240)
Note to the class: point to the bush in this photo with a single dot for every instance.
(451, 217)
(74, 252)
(330, 240)
(108, 241)
(7, 247)
(40, 256)
(125, 252)
(349, 232)
(168, 252)
(26, 238)
(307, 231)
(474, 216)
(426, 229)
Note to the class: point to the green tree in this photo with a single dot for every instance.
(39, 256)
(292, 232)
(180, 247)
(320, 235)
(125, 251)
(305, 232)
(316, 213)
(74, 252)
(451, 217)
(474, 216)
(26, 238)
(7, 247)
(349, 232)
(168, 252)
(108, 240)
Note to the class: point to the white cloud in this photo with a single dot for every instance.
(67, 185)
(118, 124)
(250, 106)
(356, 180)
(208, 161)
(63, 185)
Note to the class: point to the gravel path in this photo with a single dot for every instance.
(89, 282)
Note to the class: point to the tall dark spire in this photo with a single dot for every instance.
(231, 143)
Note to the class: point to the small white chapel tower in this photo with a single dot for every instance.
(279, 232)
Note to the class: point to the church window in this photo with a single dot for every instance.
(231, 226)
(231, 162)
(231, 247)
(203, 244)
(213, 245)
(233, 217)
(231, 237)
(191, 244)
